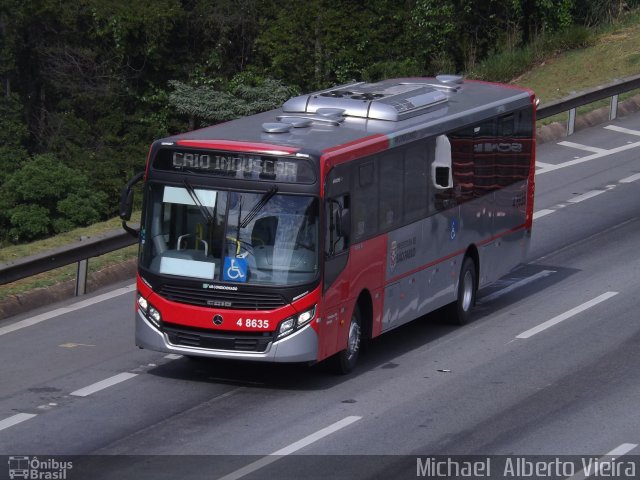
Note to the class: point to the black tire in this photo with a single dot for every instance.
(345, 361)
(459, 312)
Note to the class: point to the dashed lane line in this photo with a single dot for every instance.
(542, 213)
(61, 311)
(96, 387)
(288, 450)
(16, 419)
(616, 128)
(588, 158)
(516, 285)
(566, 315)
(586, 196)
(604, 464)
(631, 179)
(579, 146)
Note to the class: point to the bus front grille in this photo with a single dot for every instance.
(222, 299)
(234, 341)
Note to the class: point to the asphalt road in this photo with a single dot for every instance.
(549, 365)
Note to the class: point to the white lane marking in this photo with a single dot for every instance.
(585, 196)
(15, 419)
(542, 213)
(631, 179)
(564, 316)
(514, 286)
(593, 468)
(543, 164)
(173, 356)
(616, 128)
(579, 146)
(101, 385)
(621, 450)
(588, 158)
(61, 311)
(294, 447)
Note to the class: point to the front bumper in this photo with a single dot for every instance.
(301, 346)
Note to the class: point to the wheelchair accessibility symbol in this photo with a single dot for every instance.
(235, 269)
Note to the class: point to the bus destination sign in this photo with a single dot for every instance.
(246, 166)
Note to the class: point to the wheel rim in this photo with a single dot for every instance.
(353, 345)
(467, 291)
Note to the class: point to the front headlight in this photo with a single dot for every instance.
(296, 322)
(150, 312)
(305, 317)
(142, 303)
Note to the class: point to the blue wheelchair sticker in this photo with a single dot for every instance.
(235, 269)
(454, 229)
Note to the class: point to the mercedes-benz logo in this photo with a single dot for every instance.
(217, 320)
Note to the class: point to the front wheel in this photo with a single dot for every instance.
(346, 360)
(459, 312)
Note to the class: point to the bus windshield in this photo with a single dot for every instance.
(262, 238)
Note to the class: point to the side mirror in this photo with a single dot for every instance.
(126, 203)
(441, 177)
(441, 167)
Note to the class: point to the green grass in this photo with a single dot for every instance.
(612, 55)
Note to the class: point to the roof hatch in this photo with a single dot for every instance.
(391, 100)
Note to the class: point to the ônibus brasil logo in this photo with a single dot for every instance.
(37, 469)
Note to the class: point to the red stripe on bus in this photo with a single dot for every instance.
(236, 146)
(356, 149)
(452, 255)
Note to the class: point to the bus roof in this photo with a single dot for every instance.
(398, 110)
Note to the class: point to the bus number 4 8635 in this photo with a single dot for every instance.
(252, 323)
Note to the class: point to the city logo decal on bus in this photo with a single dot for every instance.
(402, 251)
(235, 269)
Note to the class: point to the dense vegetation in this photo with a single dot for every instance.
(87, 85)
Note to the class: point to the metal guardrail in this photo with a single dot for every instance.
(82, 250)
(570, 103)
(79, 252)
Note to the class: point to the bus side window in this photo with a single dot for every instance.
(365, 200)
(390, 193)
(338, 225)
(416, 182)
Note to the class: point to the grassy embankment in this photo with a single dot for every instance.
(612, 53)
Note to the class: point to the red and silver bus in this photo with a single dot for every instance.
(296, 234)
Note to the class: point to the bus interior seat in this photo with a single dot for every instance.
(264, 231)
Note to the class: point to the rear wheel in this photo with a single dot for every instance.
(346, 360)
(459, 312)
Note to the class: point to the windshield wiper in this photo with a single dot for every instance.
(268, 195)
(194, 196)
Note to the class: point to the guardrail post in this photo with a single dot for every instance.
(571, 124)
(81, 274)
(613, 108)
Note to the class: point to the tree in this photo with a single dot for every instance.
(13, 134)
(323, 42)
(244, 95)
(44, 197)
